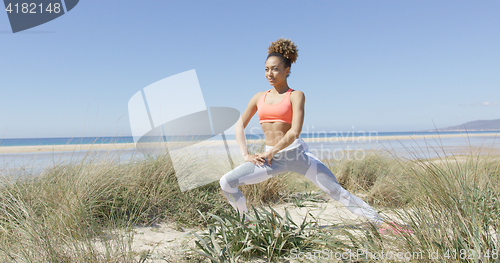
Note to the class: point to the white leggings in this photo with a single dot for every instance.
(295, 158)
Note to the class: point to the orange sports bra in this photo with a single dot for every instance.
(281, 112)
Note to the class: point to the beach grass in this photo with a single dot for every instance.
(450, 204)
(84, 211)
(69, 211)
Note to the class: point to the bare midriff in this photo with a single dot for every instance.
(274, 131)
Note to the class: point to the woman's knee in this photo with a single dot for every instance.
(224, 184)
(232, 179)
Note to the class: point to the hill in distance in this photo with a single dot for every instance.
(479, 125)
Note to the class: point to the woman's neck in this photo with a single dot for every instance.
(282, 88)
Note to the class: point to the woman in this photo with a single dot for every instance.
(281, 115)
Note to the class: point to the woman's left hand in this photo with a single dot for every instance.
(266, 155)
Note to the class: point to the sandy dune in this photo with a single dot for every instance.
(166, 242)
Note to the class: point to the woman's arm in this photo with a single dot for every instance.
(298, 99)
(240, 126)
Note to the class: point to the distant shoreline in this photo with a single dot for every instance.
(125, 146)
(462, 130)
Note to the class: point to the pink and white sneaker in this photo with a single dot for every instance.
(396, 229)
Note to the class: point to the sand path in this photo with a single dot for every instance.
(166, 243)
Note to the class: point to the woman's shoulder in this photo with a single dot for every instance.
(297, 97)
(259, 94)
(297, 94)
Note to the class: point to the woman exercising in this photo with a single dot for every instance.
(281, 115)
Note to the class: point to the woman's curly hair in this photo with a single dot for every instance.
(285, 49)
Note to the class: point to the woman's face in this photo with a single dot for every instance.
(276, 72)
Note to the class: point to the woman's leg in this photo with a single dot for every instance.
(247, 173)
(313, 169)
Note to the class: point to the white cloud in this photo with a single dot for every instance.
(487, 103)
(484, 103)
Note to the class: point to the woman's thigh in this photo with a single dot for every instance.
(313, 169)
(249, 173)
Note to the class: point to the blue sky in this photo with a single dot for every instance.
(372, 65)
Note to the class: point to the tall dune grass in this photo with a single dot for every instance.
(68, 213)
(77, 212)
(380, 177)
(450, 204)
(455, 207)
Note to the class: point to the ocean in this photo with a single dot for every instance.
(129, 139)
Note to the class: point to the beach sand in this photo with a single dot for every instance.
(167, 242)
(124, 146)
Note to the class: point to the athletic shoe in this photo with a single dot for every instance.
(396, 229)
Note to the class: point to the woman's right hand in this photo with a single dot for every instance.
(259, 161)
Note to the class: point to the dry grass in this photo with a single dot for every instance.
(62, 213)
(451, 205)
(71, 212)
